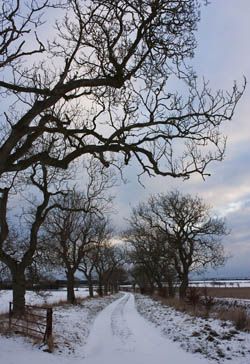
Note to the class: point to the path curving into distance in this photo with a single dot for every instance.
(120, 335)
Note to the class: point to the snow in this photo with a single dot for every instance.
(233, 283)
(71, 329)
(110, 331)
(217, 340)
(121, 335)
(33, 298)
(72, 324)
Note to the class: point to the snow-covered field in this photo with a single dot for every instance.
(221, 283)
(86, 334)
(214, 339)
(33, 298)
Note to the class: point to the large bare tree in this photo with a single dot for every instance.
(72, 230)
(186, 233)
(68, 235)
(101, 86)
(18, 245)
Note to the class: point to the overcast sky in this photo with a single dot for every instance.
(222, 56)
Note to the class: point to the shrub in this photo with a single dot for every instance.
(241, 319)
(208, 301)
(193, 296)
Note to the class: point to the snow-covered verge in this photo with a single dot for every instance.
(33, 298)
(71, 328)
(216, 340)
(232, 303)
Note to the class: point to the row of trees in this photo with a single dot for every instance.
(98, 87)
(170, 236)
(81, 242)
(63, 229)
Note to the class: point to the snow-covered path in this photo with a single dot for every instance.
(121, 335)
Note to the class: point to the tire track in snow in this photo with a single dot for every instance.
(119, 325)
(121, 335)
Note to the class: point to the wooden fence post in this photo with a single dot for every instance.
(10, 314)
(49, 323)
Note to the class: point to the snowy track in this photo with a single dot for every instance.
(121, 335)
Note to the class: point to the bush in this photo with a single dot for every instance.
(208, 301)
(241, 319)
(236, 315)
(193, 296)
(163, 292)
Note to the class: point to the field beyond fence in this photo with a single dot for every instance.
(230, 292)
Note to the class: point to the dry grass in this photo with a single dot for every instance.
(50, 343)
(4, 324)
(238, 316)
(230, 292)
(174, 302)
(63, 303)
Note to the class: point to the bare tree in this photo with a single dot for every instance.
(87, 267)
(17, 247)
(105, 257)
(71, 230)
(100, 87)
(149, 254)
(141, 278)
(109, 63)
(187, 230)
(68, 234)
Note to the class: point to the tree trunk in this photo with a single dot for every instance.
(183, 286)
(170, 288)
(112, 288)
(105, 289)
(19, 289)
(90, 285)
(100, 289)
(70, 287)
(152, 288)
(159, 284)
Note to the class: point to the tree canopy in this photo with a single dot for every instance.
(99, 86)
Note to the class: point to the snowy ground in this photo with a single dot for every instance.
(71, 329)
(214, 339)
(72, 324)
(33, 298)
(223, 283)
(119, 334)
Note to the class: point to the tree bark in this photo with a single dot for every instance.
(105, 289)
(90, 285)
(70, 287)
(19, 289)
(159, 284)
(170, 288)
(100, 289)
(183, 286)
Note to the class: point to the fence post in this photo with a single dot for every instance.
(10, 314)
(49, 323)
